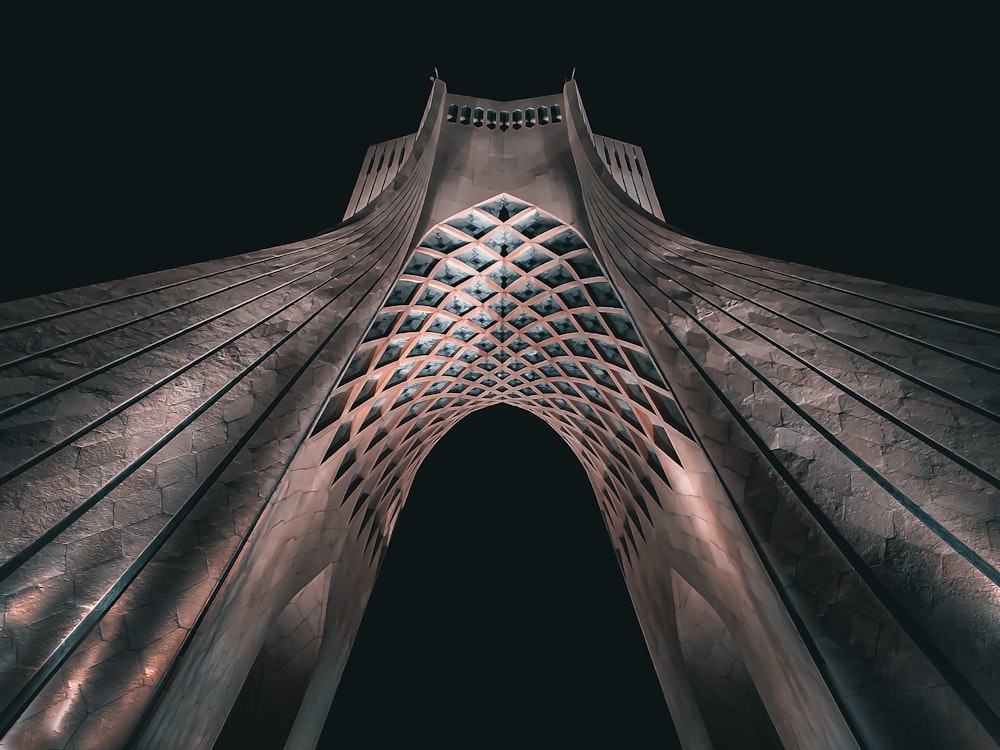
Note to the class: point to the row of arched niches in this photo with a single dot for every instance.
(504, 119)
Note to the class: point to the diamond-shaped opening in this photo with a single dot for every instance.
(431, 368)
(472, 375)
(517, 345)
(489, 382)
(448, 349)
(453, 371)
(535, 224)
(610, 352)
(502, 357)
(503, 375)
(590, 323)
(644, 367)
(527, 290)
(635, 391)
(530, 374)
(402, 293)
(480, 290)
(504, 276)
(622, 327)
(522, 319)
(592, 393)
(531, 259)
(463, 332)
(602, 294)
(547, 306)
(563, 325)
(482, 319)
(359, 364)
(503, 205)
(392, 351)
(441, 324)
(423, 346)
(359, 504)
(331, 412)
(585, 266)
(549, 371)
(339, 440)
(442, 241)
(670, 413)
(407, 394)
(476, 391)
(473, 224)
(620, 431)
(664, 444)
(439, 403)
(503, 333)
(413, 411)
(534, 356)
(538, 333)
(489, 366)
(545, 388)
(640, 501)
(654, 463)
(458, 388)
(503, 243)
(562, 404)
(588, 412)
(431, 296)
(574, 297)
(366, 392)
(572, 369)
(437, 386)
(382, 325)
(469, 355)
(555, 276)
(420, 264)
(451, 274)
(566, 388)
(413, 321)
(457, 306)
(554, 350)
(477, 258)
(485, 344)
(564, 242)
(502, 307)
(601, 375)
(580, 348)
(400, 374)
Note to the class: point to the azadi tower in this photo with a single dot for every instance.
(202, 467)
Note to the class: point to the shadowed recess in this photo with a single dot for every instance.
(495, 621)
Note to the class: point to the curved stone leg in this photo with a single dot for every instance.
(343, 618)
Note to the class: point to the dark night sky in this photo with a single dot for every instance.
(854, 139)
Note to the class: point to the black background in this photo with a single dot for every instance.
(857, 138)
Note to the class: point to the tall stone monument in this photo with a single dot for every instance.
(201, 468)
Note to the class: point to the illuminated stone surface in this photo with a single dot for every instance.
(202, 467)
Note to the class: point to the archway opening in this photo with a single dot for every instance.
(500, 616)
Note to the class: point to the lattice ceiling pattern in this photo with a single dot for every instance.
(502, 303)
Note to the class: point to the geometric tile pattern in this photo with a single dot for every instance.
(504, 302)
